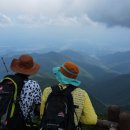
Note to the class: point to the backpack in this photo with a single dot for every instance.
(59, 110)
(10, 88)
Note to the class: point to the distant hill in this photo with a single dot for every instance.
(91, 68)
(103, 82)
(125, 108)
(113, 91)
(98, 105)
(119, 61)
(45, 80)
(7, 61)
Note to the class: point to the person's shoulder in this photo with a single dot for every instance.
(11, 76)
(31, 82)
(49, 89)
(80, 90)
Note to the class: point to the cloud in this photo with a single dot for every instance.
(109, 12)
(24, 19)
(32, 7)
(56, 21)
(112, 12)
(4, 20)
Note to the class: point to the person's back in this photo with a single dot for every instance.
(10, 88)
(67, 75)
(29, 95)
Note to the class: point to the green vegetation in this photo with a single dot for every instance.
(99, 76)
(100, 81)
(117, 89)
(45, 80)
(118, 61)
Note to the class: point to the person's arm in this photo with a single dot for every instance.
(88, 115)
(37, 98)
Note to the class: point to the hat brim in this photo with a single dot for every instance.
(63, 79)
(16, 68)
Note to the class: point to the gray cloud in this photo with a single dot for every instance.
(110, 12)
(25, 19)
(56, 21)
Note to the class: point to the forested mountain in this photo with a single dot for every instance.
(96, 74)
(91, 69)
(113, 91)
(119, 61)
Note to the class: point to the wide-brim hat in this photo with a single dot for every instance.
(67, 73)
(24, 65)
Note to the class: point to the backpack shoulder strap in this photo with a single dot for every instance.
(55, 89)
(18, 83)
(68, 90)
(14, 96)
(19, 80)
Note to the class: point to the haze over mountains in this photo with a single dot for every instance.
(99, 34)
(46, 45)
(105, 77)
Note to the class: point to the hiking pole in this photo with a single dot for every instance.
(4, 64)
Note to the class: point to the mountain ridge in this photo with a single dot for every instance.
(94, 75)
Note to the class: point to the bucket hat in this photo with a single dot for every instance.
(67, 73)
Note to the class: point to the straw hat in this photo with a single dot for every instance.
(24, 65)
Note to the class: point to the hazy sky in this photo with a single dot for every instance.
(64, 24)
